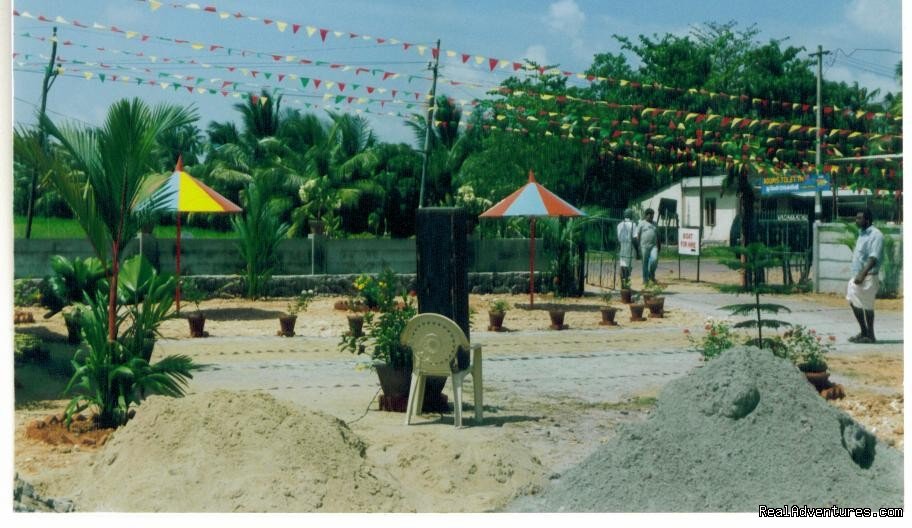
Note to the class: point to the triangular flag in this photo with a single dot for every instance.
(323, 33)
(304, 81)
(310, 30)
(154, 5)
(295, 28)
(282, 26)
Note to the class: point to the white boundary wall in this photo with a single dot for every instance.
(833, 259)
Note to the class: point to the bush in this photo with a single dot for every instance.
(29, 348)
(718, 338)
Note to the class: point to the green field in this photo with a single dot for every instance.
(52, 227)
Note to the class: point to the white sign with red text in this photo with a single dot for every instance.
(688, 241)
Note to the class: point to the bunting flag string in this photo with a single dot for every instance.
(684, 115)
(316, 83)
(221, 50)
(172, 79)
(341, 103)
(491, 64)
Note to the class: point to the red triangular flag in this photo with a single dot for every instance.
(295, 28)
(317, 83)
(323, 33)
(341, 86)
(465, 58)
(492, 63)
(435, 52)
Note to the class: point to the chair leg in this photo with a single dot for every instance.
(477, 383)
(479, 394)
(410, 406)
(457, 400)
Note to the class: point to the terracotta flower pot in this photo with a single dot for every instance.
(626, 295)
(820, 380)
(287, 324)
(355, 325)
(656, 306)
(197, 322)
(395, 385)
(495, 321)
(608, 313)
(557, 319)
(636, 312)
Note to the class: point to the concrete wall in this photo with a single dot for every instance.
(833, 259)
(222, 257)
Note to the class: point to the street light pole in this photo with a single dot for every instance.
(432, 106)
(818, 167)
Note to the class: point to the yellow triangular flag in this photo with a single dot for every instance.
(87, 75)
(281, 26)
(197, 46)
(154, 5)
(310, 30)
(224, 14)
(479, 59)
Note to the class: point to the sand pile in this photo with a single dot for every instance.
(746, 429)
(225, 452)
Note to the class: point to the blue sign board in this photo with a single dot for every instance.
(787, 184)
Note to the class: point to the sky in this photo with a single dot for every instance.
(376, 53)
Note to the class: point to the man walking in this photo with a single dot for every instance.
(864, 283)
(625, 231)
(647, 235)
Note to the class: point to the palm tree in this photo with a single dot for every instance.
(449, 148)
(115, 161)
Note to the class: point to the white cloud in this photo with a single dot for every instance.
(564, 16)
(537, 53)
(875, 16)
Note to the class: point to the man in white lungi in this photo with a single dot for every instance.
(625, 246)
(864, 283)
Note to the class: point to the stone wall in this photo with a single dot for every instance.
(330, 257)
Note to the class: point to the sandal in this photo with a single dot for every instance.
(865, 339)
(855, 338)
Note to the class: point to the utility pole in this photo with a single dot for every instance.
(818, 166)
(432, 106)
(50, 74)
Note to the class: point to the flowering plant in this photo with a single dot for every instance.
(374, 290)
(300, 303)
(718, 338)
(807, 349)
(383, 328)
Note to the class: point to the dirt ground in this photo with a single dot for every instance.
(566, 434)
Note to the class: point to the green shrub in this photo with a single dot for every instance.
(29, 348)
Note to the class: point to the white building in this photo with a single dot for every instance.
(678, 205)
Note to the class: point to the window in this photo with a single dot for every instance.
(709, 211)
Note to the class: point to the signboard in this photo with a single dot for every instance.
(688, 241)
(792, 183)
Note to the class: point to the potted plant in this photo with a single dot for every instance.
(355, 318)
(72, 317)
(297, 304)
(808, 351)
(196, 319)
(655, 301)
(626, 291)
(556, 312)
(380, 339)
(496, 312)
(636, 308)
(608, 311)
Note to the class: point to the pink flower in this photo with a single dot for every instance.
(686, 331)
(832, 338)
(813, 332)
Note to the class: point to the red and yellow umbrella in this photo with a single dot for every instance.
(183, 193)
(534, 200)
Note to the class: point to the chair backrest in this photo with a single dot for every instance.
(434, 340)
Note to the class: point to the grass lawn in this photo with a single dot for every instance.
(52, 227)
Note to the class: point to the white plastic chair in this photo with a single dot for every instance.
(435, 340)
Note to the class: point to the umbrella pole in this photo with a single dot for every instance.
(532, 265)
(177, 290)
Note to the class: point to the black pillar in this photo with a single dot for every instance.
(443, 276)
